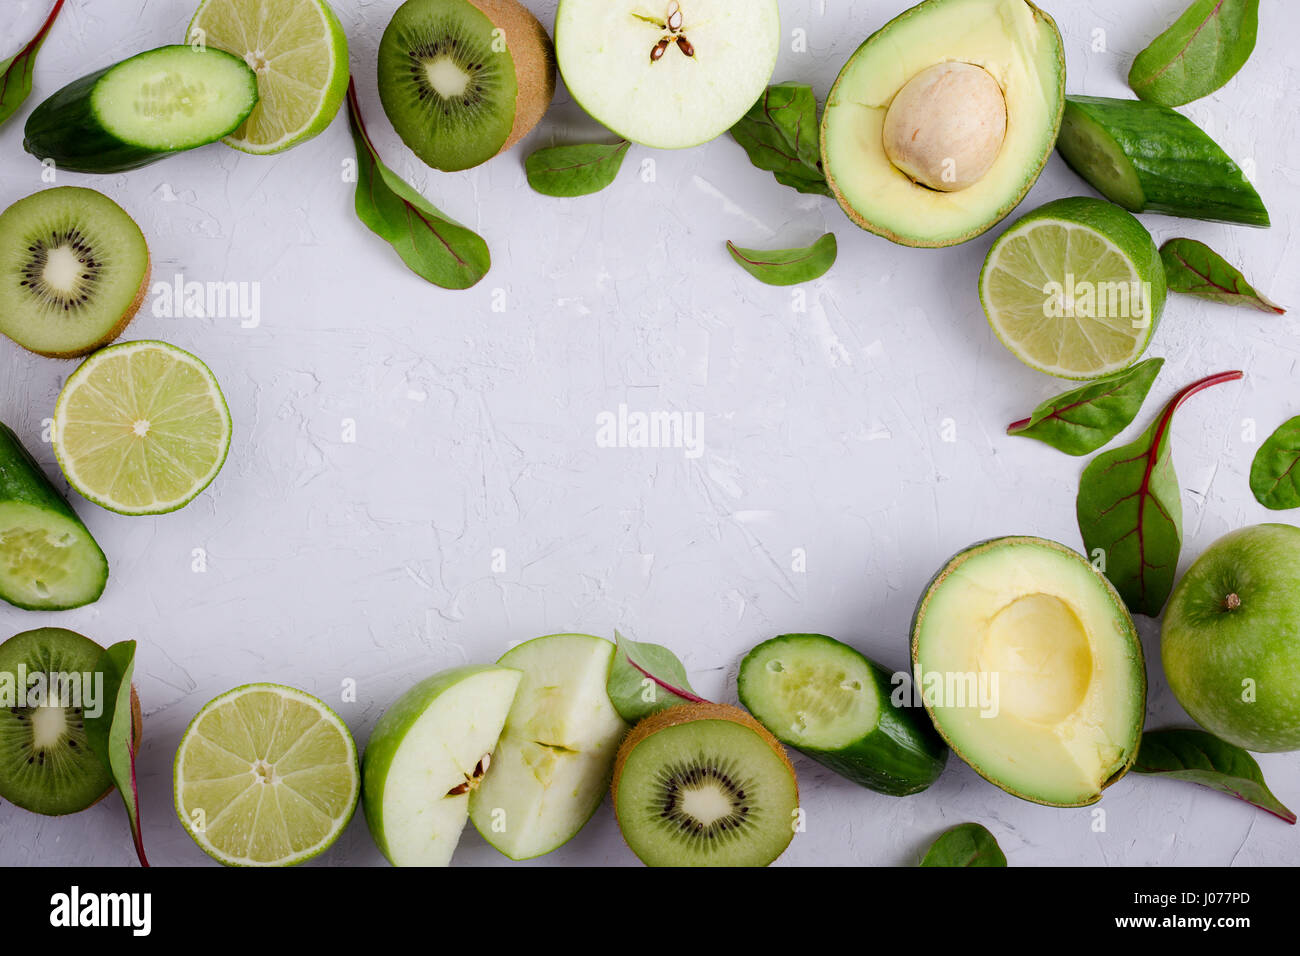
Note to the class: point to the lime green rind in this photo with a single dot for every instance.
(331, 100)
(328, 712)
(1117, 227)
(216, 470)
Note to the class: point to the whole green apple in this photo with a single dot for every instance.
(1231, 638)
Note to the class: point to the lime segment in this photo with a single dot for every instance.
(300, 54)
(1074, 289)
(266, 776)
(141, 428)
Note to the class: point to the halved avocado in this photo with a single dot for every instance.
(930, 78)
(1030, 667)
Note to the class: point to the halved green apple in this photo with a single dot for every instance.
(553, 764)
(427, 754)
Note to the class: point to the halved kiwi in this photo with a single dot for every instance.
(46, 764)
(74, 268)
(704, 785)
(463, 80)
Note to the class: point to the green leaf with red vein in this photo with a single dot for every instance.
(781, 134)
(114, 734)
(1275, 472)
(1202, 50)
(1084, 419)
(1130, 510)
(16, 72)
(646, 678)
(1198, 757)
(1193, 268)
(787, 266)
(577, 170)
(434, 247)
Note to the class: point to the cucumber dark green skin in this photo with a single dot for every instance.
(1179, 168)
(901, 756)
(65, 129)
(23, 481)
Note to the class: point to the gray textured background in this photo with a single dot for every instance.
(475, 430)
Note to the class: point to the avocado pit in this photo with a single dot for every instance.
(945, 127)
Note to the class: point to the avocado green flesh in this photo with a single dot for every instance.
(1030, 666)
(1017, 44)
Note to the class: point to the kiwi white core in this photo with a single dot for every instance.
(446, 77)
(62, 269)
(707, 804)
(48, 726)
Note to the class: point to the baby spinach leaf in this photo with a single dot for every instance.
(1084, 419)
(781, 134)
(113, 734)
(1131, 514)
(1193, 268)
(1198, 757)
(16, 72)
(1203, 49)
(434, 247)
(787, 266)
(577, 170)
(967, 844)
(1275, 472)
(646, 678)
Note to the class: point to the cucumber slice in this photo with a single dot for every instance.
(833, 704)
(142, 109)
(48, 560)
(1149, 158)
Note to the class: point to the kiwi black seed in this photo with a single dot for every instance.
(74, 269)
(46, 764)
(704, 785)
(454, 91)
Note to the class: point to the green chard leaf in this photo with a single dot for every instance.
(787, 266)
(782, 135)
(16, 72)
(1193, 268)
(112, 734)
(1131, 514)
(1275, 472)
(646, 678)
(1203, 50)
(1198, 757)
(577, 170)
(1084, 419)
(967, 844)
(435, 248)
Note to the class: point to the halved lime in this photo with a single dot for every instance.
(1074, 288)
(141, 428)
(300, 54)
(266, 775)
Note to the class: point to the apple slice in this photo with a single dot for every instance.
(553, 764)
(427, 754)
(667, 73)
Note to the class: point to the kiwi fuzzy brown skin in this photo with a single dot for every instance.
(689, 713)
(116, 330)
(534, 63)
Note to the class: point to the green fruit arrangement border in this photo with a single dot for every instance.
(1140, 154)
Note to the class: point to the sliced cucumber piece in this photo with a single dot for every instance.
(833, 704)
(142, 109)
(48, 560)
(1149, 158)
